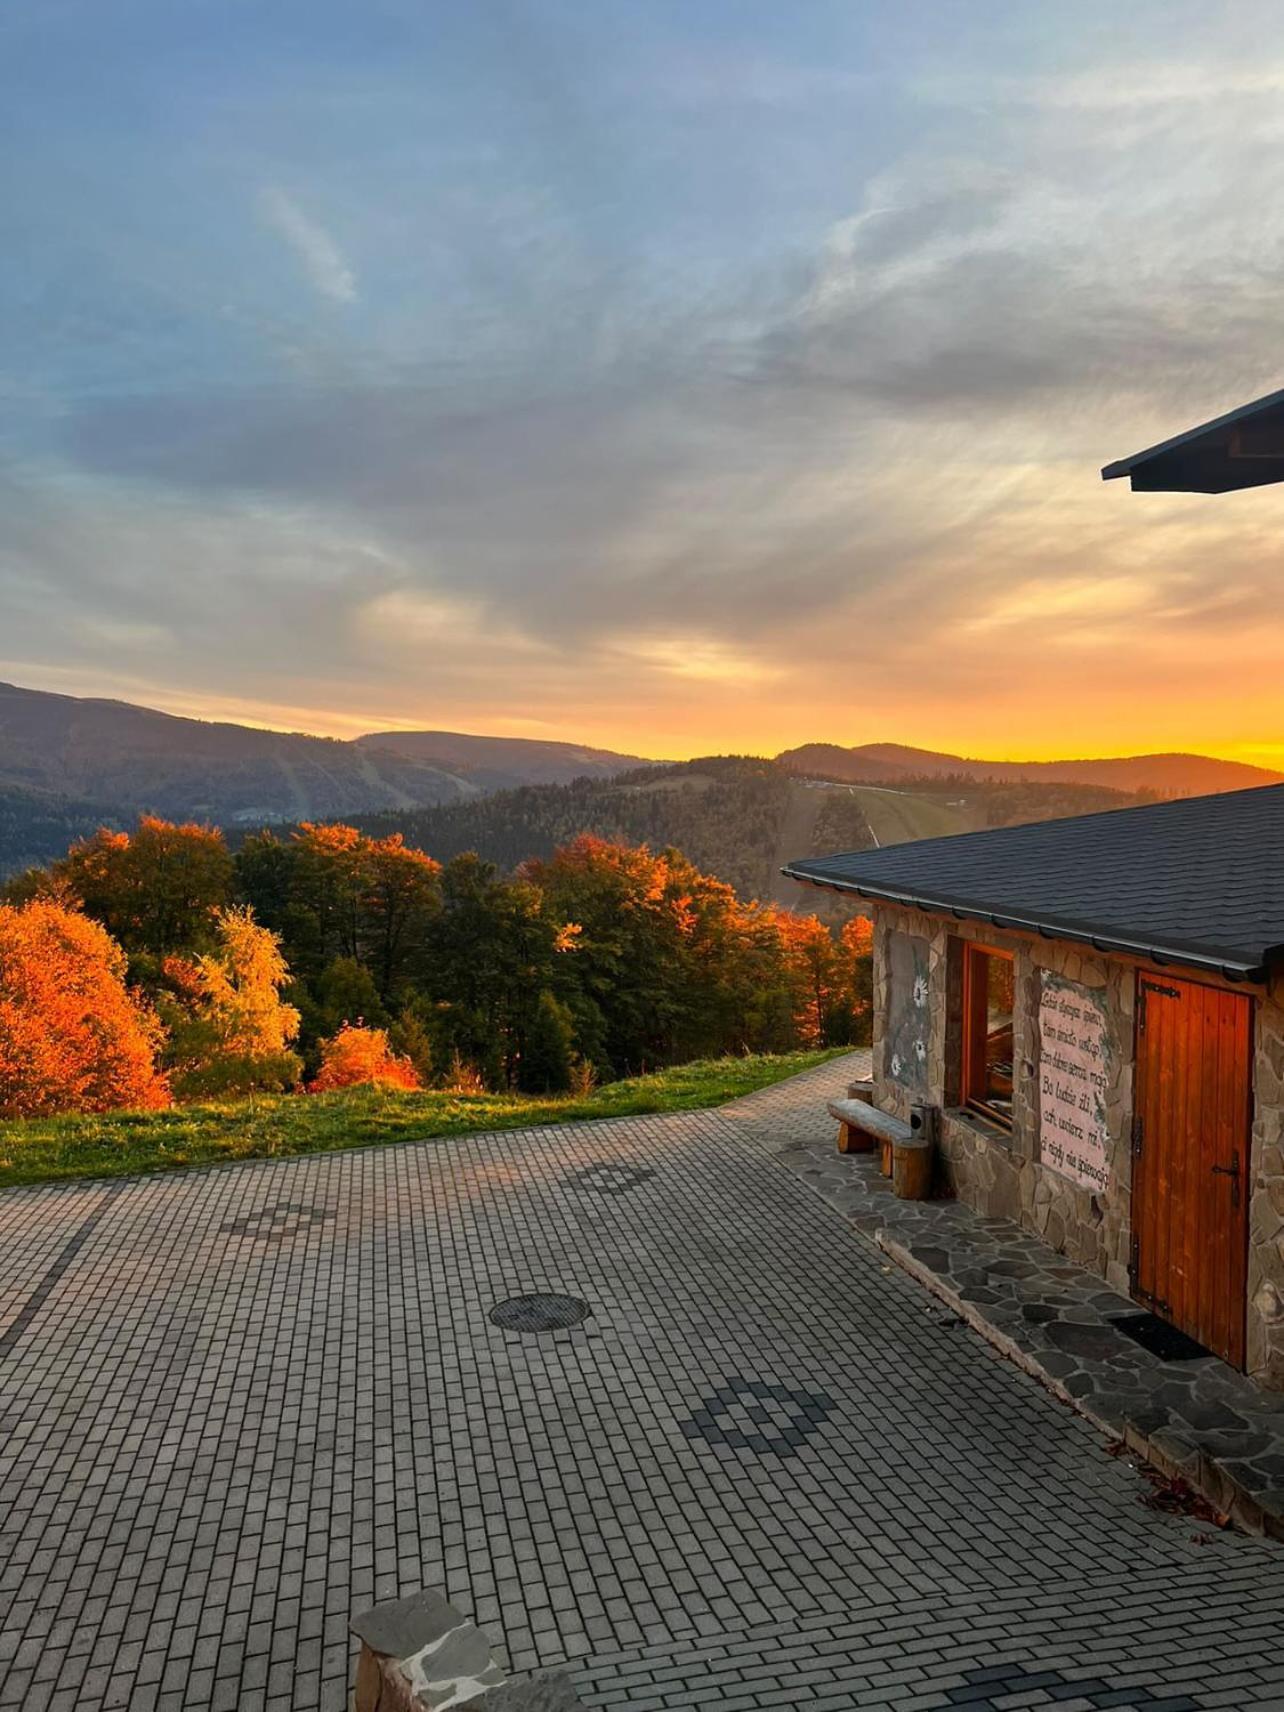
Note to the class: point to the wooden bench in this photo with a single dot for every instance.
(906, 1151)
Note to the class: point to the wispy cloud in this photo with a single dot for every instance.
(323, 261)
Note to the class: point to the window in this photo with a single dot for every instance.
(988, 987)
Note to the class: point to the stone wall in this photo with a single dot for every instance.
(1266, 1205)
(999, 1172)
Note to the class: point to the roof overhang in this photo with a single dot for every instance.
(1210, 962)
(1244, 448)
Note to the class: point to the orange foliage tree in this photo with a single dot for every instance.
(811, 964)
(357, 1056)
(72, 1036)
(155, 890)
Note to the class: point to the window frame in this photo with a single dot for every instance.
(973, 1033)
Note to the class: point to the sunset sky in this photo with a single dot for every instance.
(677, 377)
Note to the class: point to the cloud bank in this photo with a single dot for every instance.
(661, 425)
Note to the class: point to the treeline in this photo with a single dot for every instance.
(726, 813)
(1008, 802)
(840, 825)
(36, 825)
(329, 956)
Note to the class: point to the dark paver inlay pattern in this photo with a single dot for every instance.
(1004, 1688)
(607, 1177)
(216, 1449)
(276, 1223)
(755, 1415)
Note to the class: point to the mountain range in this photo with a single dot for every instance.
(1171, 774)
(68, 764)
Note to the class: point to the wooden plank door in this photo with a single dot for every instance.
(1190, 1167)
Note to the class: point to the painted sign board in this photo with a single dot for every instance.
(908, 1017)
(1073, 1077)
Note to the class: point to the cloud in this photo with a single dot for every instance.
(322, 259)
(840, 480)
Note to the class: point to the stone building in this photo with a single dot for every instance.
(1097, 1007)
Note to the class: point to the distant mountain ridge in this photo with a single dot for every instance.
(68, 764)
(501, 763)
(1168, 774)
(138, 759)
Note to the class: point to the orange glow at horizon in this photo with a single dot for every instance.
(758, 724)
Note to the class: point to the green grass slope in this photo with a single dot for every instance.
(284, 1126)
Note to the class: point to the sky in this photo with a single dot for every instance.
(674, 375)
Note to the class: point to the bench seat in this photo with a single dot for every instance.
(906, 1151)
(880, 1126)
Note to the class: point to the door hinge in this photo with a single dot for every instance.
(1137, 1133)
(1134, 1259)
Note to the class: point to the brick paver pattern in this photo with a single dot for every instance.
(237, 1406)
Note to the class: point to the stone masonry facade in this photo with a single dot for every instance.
(999, 1171)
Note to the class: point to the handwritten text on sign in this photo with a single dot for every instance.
(1073, 1075)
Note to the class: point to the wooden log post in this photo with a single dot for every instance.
(850, 1138)
(914, 1158)
(912, 1169)
(853, 1140)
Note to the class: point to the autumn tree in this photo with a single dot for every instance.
(72, 1036)
(156, 890)
(812, 964)
(667, 962)
(856, 975)
(362, 1056)
(232, 1029)
(336, 895)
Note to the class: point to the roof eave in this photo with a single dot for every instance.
(1213, 963)
(1186, 442)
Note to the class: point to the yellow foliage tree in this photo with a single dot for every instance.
(239, 987)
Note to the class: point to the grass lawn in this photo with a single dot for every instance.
(275, 1126)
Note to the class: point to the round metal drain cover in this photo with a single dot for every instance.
(539, 1313)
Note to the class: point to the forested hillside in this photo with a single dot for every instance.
(736, 816)
(36, 826)
(727, 814)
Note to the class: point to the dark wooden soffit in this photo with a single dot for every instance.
(1244, 448)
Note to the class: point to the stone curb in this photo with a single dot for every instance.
(1169, 1450)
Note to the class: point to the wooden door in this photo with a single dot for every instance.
(1190, 1166)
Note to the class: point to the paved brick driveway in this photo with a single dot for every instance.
(237, 1405)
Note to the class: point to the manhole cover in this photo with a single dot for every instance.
(539, 1313)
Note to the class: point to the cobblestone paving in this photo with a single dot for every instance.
(241, 1404)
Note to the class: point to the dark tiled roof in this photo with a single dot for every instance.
(1198, 882)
